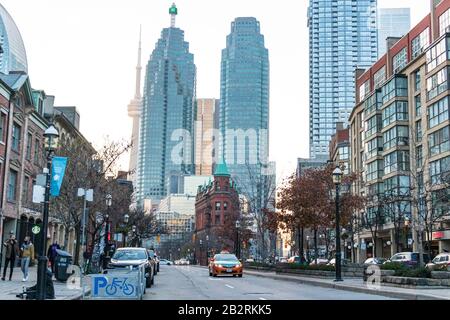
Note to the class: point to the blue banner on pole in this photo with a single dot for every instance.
(58, 169)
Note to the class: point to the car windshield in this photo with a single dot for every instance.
(130, 255)
(225, 257)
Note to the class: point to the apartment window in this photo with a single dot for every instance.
(400, 60)
(417, 80)
(418, 105)
(396, 87)
(217, 206)
(396, 111)
(418, 131)
(3, 127)
(36, 151)
(364, 90)
(16, 137)
(373, 125)
(438, 113)
(419, 43)
(29, 142)
(398, 185)
(437, 84)
(12, 185)
(25, 189)
(438, 142)
(419, 157)
(373, 147)
(374, 170)
(396, 161)
(444, 22)
(438, 169)
(225, 206)
(379, 77)
(436, 55)
(398, 135)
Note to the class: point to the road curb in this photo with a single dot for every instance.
(386, 293)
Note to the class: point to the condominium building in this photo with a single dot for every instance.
(399, 135)
(392, 22)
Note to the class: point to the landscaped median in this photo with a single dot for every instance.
(399, 274)
(321, 271)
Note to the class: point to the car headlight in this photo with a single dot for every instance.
(218, 265)
(238, 266)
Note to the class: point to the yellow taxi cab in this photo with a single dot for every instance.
(225, 263)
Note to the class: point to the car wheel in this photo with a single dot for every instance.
(153, 280)
(210, 274)
(148, 283)
(240, 275)
(214, 275)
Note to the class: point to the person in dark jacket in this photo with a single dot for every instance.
(51, 254)
(12, 252)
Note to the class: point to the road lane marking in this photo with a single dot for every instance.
(262, 299)
(231, 287)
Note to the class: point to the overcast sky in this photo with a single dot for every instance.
(85, 51)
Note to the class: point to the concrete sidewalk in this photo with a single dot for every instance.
(358, 285)
(9, 289)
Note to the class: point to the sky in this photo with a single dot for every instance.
(85, 52)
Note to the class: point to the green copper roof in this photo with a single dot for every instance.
(221, 170)
(173, 9)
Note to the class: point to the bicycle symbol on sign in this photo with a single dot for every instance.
(127, 288)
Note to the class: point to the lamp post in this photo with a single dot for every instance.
(201, 249)
(133, 228)
(238, 246)
(407, 223)
(126, 218)
(307, 249)
(207, 250)
(337, 180)
(51, 142)
(107, 230)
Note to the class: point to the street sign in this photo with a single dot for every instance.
(38, 194)
(36, 229)
(41, 180)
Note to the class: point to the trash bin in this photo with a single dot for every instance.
(62, 261)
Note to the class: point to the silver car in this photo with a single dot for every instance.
(440, 261)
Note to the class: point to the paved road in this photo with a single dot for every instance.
(193, 283)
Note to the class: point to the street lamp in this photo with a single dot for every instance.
(207, 250)
(337, 180)
(107, 231)
(238, 245)
(201, 249)
(126, 218)
(407, 224)
(307, 249)
(51, 142)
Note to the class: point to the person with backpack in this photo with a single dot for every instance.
(12, 252)
(27, 252)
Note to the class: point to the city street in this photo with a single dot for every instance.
(193, 283)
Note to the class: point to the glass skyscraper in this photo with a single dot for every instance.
(392, 22)
(244, 104)
(342, 37)
(167, 118)
(13, 56)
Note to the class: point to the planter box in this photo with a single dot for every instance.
(440, 274)
(405, 281)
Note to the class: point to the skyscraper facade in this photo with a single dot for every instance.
(167, 117)
(13, 56)
(342, 37)
(392, 22)
(244, 103)
(205, 124)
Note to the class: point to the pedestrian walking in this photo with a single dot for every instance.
(12, 252)
(51, 254)
(27, 254)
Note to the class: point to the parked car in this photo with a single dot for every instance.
(296, 259)
(183, 262)
(125, 257)
(410, 259)
(165, 262)
(283, 260)
(375, 260)
(344, 262)
(154, 257)
(225, 264)
(319, 261)
(440, 261)
(250, 260)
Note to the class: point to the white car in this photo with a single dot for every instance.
(440, 261)
(183, 262)
(319, 261)
(165, 262)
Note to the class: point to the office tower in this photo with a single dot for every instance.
(13, 56)
(342, 37)
(392, 22)
(244, 105)
(205, 124)
(167, 117)
(134, 111)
